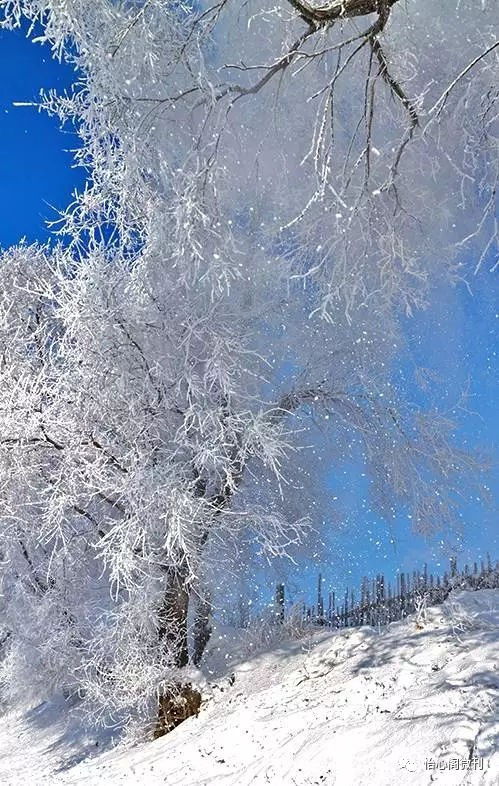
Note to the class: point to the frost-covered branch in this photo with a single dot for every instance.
(220, 326)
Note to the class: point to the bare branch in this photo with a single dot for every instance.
(440, 103)
(340, 9)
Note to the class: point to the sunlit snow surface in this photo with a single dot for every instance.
(409, 706)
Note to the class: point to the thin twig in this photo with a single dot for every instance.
(439, 105)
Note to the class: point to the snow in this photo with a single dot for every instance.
(347, 708)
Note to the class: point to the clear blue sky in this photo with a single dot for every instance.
(458, 338)
(36, 175)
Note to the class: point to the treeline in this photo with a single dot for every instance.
(379, 602)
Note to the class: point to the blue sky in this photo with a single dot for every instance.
(457, 338)
(35, 163)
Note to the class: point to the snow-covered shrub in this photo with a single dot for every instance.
(265, 631)
(468, 611)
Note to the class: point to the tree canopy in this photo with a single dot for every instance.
(270, 187)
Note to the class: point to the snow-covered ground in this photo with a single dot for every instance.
(408, 706)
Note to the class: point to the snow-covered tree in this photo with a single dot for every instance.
(269, 188)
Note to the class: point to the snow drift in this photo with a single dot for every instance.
(411, 705)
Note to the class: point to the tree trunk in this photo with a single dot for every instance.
(173, 617)
(202, 628)
(177, 701)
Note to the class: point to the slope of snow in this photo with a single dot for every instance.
(408, 706)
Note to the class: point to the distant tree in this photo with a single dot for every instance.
(279, 603)
(269, 187)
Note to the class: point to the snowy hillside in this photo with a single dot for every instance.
(409, 706)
